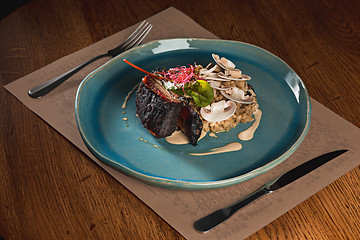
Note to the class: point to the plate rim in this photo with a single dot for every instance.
(186, 184)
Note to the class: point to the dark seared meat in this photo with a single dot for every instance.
(162, 111)
(190, 123)
(157, 108)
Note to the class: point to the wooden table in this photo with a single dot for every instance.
(51, 190)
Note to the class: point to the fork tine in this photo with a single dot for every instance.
(128, 39)
(137, 29)
(140, 38)
(134, 39)
(145, 34)
(135, 34)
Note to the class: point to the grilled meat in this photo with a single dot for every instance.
(157, 108)
(162, 111)
(190, 123)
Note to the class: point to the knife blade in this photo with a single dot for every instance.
(210, 221)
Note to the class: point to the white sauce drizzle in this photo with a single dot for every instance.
(230, 147)
(145, 141)
(128, 96)
(248, 134)
(212, 135)
(178, 138)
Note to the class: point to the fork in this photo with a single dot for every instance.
(134, 39)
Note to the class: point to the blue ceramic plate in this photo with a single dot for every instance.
(126, 146)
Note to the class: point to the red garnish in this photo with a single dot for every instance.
(179, 75)
(140, 69)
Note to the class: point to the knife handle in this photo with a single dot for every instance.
(212, 220)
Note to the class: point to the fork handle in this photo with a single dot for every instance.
(48, 86)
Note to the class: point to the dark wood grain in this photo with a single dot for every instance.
(61, 194)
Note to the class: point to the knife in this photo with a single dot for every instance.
(212, 220)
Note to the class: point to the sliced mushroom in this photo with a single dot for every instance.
(218, 85)
(218, 111)
(237, 95)
(234, 75)
(212, 73)
(215, 69)
(216, 78)
(210, 65)
(223, 62)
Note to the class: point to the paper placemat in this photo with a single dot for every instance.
(328, 132)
